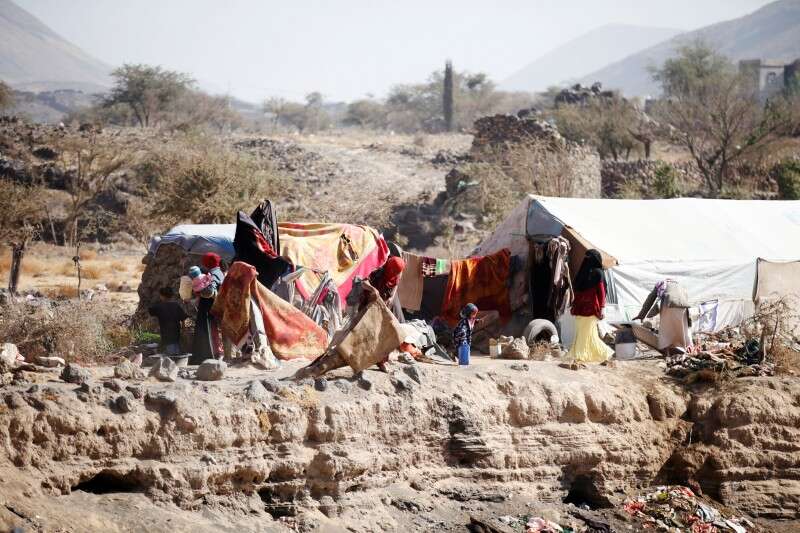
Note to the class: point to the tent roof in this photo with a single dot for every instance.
(681, 229)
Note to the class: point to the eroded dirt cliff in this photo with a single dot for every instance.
(401, 456)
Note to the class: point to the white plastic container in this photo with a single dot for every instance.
(185, 289)
(625, 344)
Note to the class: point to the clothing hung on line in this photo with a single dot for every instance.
(372, 334)
(291, 334)
(428, 267)
(482, 281)
(550, 288)
(324, 306)
(266, 219)
(411, 283)
(433, 290)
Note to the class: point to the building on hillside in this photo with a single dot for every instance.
(771, 77)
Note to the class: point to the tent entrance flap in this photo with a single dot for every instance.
(579, 246)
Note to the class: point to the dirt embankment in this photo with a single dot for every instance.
(401, 456)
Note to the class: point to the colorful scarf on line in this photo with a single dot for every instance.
(428, 267)
(291, 333)
(481, 281)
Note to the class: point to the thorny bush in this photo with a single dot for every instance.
(80, 331)
(201, 180)
(502, 176)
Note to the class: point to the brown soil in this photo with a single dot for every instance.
(399, 457)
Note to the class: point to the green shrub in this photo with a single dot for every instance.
(787, 174)
(146, 337)
(665, 181)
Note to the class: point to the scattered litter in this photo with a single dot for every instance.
(677, 508)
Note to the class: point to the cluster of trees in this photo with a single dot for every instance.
(708, 108)
(151, 96)
(306, 117)
(448, 101)
(717, 115)
(615, 126)
(147, 96)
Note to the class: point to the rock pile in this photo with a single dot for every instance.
(578, 94)
(499, 130)
(288, 157)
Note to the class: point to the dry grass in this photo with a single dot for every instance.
(76, 330)
(61, 292)
(30, 265)
(67, 268)
(119, 266)
(92, 272)
(87, 254)
(786, 359)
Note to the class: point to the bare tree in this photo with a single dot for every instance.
(714, 114)
(90, 168)
(19, 223)
(275, 106)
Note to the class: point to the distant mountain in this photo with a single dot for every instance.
(34, 58)
(590, 51)
(772, 32)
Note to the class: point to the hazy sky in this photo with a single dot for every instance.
(347, 48)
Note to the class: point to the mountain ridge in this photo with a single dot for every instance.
(767, 33)
(585, 53)
(35, 58)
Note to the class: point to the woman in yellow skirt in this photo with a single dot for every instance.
(587, 308)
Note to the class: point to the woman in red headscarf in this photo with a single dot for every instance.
(207, 343)
(385, 281)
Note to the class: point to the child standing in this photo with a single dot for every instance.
(462, 335)
(170, 317)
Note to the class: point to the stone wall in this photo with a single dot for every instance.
(642, 172)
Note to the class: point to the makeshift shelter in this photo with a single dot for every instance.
(711, 247)
(344, 251)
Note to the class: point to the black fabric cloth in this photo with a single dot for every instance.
(433, 289)
(541, 282)
(252, 247)
(202, 343)
(590, 272)
(170, 315)
(265, 218)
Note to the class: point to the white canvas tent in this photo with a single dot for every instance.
(712, 247)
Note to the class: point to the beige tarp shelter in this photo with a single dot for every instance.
(712, 247)
(780, 280)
